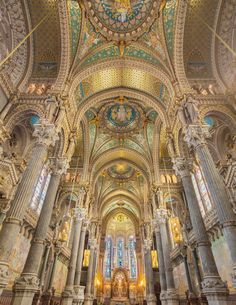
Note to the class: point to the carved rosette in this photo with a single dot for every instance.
(46, 134)
(182, 166)
(196, 135)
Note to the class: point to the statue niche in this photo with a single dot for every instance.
(119, 285)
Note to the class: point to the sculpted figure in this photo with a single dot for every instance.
(188, 111)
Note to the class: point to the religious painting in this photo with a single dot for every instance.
(120, 118)
(121, 115)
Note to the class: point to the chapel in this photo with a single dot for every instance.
(117, 152)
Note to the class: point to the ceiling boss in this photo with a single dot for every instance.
(122, 20)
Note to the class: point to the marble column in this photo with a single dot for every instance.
(46, 136)
(161, 263)
(213, 287)
(195, 136)
(79, 263)
(150, 293)
(88, 290)
(172, 297)
(28, 283)
(68, 293)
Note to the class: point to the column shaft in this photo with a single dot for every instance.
(80, 256)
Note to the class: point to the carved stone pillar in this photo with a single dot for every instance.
(216, 291)
(28, 283)
(88, 290)
(79, 263)
(161, 263)
(161, 217)
(150, 293)
(195, 137)
(68, 294)
(46, 136)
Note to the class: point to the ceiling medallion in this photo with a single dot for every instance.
(121, 171)
(122, 20)
(120, 118)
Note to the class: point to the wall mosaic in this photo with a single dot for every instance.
(122, 19)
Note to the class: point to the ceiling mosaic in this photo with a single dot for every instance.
(122, 19)
(121, 170)
(120, 118)
(169, 14)
(120, 77)
(75, 24)
(47, 43)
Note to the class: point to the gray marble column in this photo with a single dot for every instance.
(88, 290)
(68, 293)
(172, 297)
(161, 263)
(28, 283)
(150, 293)
(195, 136)
(46, 136)
(213, 287)
(79, 263)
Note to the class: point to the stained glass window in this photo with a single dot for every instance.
(132, 258)
(108, 252)
(120, 250)
(40, 190)
(201, 191)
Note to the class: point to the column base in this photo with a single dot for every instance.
(172, 297)
(215, 290)
(24, 289)
(4, 274)
(67, 296)
(234, 276)
(163, 298)
(79, 295)
(88, 299)
(151, 299)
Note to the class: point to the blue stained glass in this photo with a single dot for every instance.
(34, 119)
(209, 120)
(108, 253)
(120, 246)
(132, 258)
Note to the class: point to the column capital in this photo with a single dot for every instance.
(59, 166)
(147, 244)
(79, 213)
(45, 133)
(182, 166)
(196, 135)
(156, 225)
(161, 215)
(93, 243)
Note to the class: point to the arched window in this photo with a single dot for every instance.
(120, 251)
(108, 252)
(40, 190)
(132, 258)
(201, 190)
